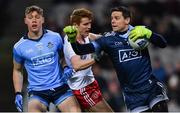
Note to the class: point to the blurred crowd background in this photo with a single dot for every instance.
(161, 16)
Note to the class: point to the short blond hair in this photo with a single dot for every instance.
(34, 8)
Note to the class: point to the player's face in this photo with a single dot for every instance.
(34, 21)
(84, 27)
(118, 22)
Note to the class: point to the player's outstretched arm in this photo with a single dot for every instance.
(93, 36)
(143, 32)
(82, 49)
(18, 83)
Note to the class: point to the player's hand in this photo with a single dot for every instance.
(71, 32)
(19, 102)
(68, 72)
(139, 32)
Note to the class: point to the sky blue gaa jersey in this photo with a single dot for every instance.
(133, 67)
(41, 60)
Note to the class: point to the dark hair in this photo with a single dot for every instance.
(125, 11)
(78, 14)
(34, 8)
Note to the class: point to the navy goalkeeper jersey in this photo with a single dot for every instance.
(133, 67)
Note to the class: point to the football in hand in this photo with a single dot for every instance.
(139, 44)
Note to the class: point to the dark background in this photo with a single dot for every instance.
(161, 16)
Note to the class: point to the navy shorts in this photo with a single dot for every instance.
(54, 95)
(143, 100)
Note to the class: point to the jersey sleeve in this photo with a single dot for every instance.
(99, 44)
(158, 40)
(17, 56)
(68, 51)
(95, 46)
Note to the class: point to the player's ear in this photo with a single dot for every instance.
(127, 20)
(25, 21)
(76, 25)
(42, 19)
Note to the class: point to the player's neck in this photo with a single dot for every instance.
(125, 29)
(81, 39)
(35, 35)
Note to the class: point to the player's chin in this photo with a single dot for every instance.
(86, 34)
(115, 29)
(34, 29)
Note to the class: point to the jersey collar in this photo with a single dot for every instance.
(26, 36)
(125, 34)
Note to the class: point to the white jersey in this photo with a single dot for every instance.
(80, 78)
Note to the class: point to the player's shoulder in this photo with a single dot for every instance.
(130, 27)
(20, 42)
(65, 38)
(109, 34)
(52, 33)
